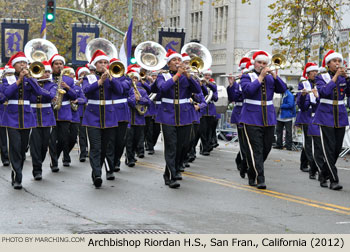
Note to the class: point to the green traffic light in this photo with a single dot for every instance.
(49, 17)
(132, 60)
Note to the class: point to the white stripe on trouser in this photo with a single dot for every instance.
(166, 167)
(8, 150)
(313, 154)
(325, 154)
(108, 169)
(251, 152)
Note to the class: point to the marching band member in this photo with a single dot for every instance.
(3, 134)
(235, 94)
(331, 114)
(18, 116)
(121, 107)
(59, 138)
(83, 142)
(157, 102)
(77, 107)
(137, 121)
(208, 114)
(100, 117)
(45, 119)
(258, 115)
(304, 117)
(175, 114)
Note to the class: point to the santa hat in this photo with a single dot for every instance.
(98, 55)
(185, 57)
(172, 54)
(260, 56)
(242, 64)
(9, 69)
(90, 67)
(57, 57)
(331, 55)
(132, 73)
(154, 72)
(47, 66)
(81, 70)
(212, 80)
(135, 67)
(249, 67)
(208, 71)
(309, 67)
(302, 78)
(17, 57)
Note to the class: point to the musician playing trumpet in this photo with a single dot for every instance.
(258, 115)
(331, 114)
(175, 114)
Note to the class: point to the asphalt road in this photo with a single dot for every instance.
(212, 198)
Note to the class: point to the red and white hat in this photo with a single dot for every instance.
(208, 71)
(98, 55)
(71, 70)
(260, 56)
(90, 67)
(309, 67)
(172, 54)
(57, 57)
(47, 66)
(212, 80)
(9, 69)
(248, 67)
(154, 72)
(17, 57)
(242, 64)
(329, 56)
(81, 70)
(185, 57)
(135, 67)
(133, 73)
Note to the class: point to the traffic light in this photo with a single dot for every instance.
(133, 59)
(50, 10)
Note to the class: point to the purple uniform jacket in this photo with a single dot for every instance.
(200, 100)
(235, 95)
(176, 109)
(258, 107)
(303, 116)
(65, 112)
(18, 113)
(136, 118)
(81, 103)
(305, 104)
(3, 100)
(210, 110)
(42, 107)
(332, 112)
(100, 111)
(120, 100)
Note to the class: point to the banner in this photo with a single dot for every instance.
(344, 45)
(14, 35)
(172, 38)
(82, 34)
(315, 48)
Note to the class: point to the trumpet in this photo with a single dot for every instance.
(116, 69)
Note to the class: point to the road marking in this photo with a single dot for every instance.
(270, 193)
(343, 222)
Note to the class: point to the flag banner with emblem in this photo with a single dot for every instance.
(172, 38)
(344, 45)
(43, 28)
(82, 34)
(125, 49)
(14, 36)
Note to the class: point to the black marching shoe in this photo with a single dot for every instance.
(261, 186)
(252, 182)
(304, 169)
(166, 179)
(312, 176)
(178, 176)
(6, 163)
(182, 168)
(205, 153)
(54, 169)
(116, 169)
(131, 163)
(173, 184)
(17, 185)
(97, 182)
(110, 176)
(140, 155)
(324, 183)
(242, 173)
(82, 159)
(66, 164)
(38, 177)
(187, 165)
(335, 186)
(150, 152)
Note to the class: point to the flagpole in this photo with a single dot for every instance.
(130, 10)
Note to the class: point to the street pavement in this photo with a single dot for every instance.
(212, 198)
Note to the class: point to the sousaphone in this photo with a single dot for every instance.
(150, 55)
(200, 56)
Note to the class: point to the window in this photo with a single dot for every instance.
(220, 24)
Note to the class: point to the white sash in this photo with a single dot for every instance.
(167, 76)
(307, 86)
(11, 79)
(253, 76)
(91, 78)
(326, 77)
